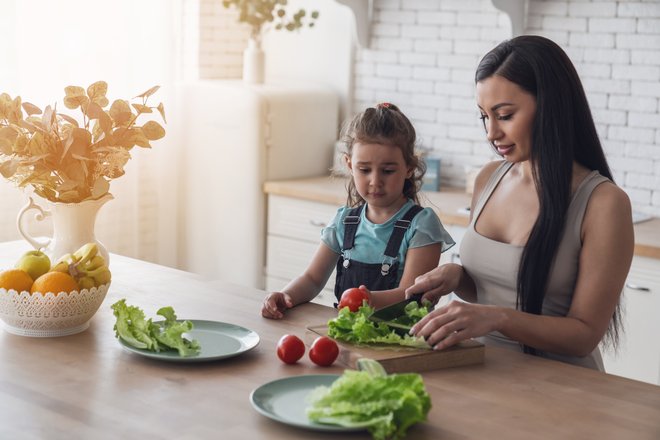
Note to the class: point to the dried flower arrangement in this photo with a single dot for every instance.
(64, 161)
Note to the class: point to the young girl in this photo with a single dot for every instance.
(382, 239)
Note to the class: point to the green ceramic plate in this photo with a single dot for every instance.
(284, 400)
(218, 340)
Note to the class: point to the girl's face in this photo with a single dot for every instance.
(379, 172)
(508, 113)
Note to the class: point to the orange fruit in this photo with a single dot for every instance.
(54, 282)
(16, 279)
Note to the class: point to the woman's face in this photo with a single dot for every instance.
(508, 113)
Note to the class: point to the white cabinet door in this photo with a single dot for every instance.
(638, 356)
(288, 258)
(299, 219)
(294, 234)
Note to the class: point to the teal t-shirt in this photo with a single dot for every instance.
(371, 239)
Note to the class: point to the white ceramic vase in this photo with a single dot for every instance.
(254, 64)
(73, 225)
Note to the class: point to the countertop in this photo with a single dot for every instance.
(449, 204)
(87, 386)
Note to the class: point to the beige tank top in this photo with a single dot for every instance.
(493, 265)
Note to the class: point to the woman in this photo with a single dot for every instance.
(550, 239)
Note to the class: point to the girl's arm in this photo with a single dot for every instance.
(604, 261)
(303, 288)
(419, 260)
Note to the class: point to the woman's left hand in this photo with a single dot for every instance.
(457, 321)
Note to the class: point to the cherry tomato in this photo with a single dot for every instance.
(352, 298)
(290, 349)
(323, 351)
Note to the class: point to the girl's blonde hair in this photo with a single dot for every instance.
(384, 124)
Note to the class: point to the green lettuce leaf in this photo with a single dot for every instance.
(132, 327)
(356, 328)
(170, 333)
(387, 405)
(137, 331)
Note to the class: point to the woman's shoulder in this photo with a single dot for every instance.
(484, 176)
(486, 172)
(609, 198)
(608, 208)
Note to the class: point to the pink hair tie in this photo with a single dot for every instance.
(384, 105)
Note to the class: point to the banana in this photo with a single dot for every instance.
(101, 275)
(86, 266)
(94, 263)
(86, 253)
(62, 266)
(64, 263)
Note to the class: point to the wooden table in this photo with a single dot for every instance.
(86, 386)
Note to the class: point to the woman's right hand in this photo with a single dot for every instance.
(441, 281)
(275, 304)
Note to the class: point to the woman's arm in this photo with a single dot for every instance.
(604, 261)
(419, 260)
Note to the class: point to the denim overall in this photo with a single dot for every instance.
(375, 276)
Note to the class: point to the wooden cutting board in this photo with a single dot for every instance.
(397, 359)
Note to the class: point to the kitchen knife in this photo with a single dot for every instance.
(395, 310)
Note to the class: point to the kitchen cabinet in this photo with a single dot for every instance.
(638, 356)
(293, 234)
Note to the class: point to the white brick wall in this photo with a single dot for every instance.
(614, 44)
(221, 41)
(443, 52)
(423, 53)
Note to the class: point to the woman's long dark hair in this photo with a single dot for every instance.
(563, 131)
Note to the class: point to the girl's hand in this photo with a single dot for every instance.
(457, 321)
(441, 281)
(275, 304)
(365, 290)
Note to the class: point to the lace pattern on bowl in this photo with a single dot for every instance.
(49, 315)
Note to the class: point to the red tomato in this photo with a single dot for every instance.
(290, 349)
(323, 351)
(352, 298)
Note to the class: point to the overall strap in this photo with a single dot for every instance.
(351, 222)
(400, 228)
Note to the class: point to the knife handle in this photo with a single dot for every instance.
(417, 297)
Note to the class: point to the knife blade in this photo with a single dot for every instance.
(393, 311)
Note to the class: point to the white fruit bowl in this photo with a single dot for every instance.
(49, 315)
